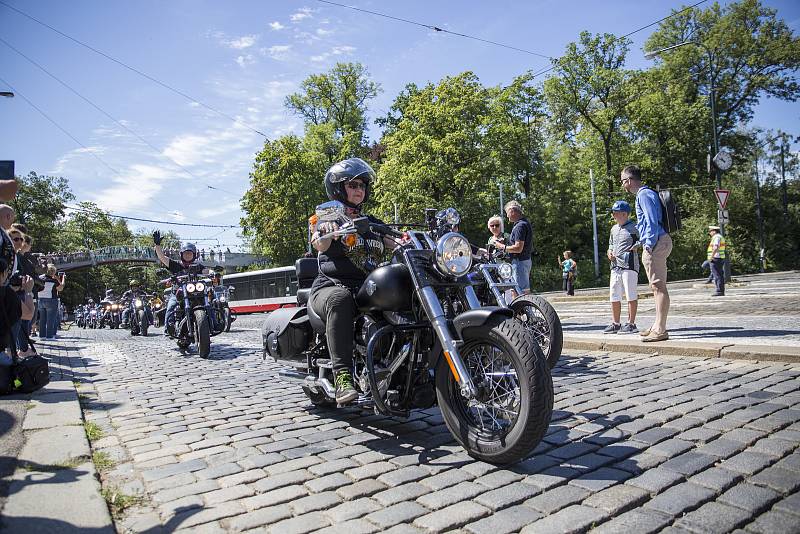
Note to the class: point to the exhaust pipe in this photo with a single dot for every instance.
(304, 379)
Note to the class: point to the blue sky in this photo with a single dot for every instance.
(243, 58)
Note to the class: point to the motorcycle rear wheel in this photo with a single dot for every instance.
(203, 334)
(541, 319)
(515, 401)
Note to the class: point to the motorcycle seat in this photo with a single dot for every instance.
(302, 296)
(316, 322)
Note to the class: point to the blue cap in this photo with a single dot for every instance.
(621, 205)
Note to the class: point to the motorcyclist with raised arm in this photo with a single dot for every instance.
(188, 258)
(343, 266)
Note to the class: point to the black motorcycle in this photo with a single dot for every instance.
(494, 284)
(139, 314)
(80, 316)
(222, 305)
(111, 314)
(195, 323)
(422, 338)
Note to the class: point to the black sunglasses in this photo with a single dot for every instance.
(357, 185)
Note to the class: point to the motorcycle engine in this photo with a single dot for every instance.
(365, 329)
(382, 377)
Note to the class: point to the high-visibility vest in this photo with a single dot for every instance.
(721, 250)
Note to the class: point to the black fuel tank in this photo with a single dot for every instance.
(386, 288)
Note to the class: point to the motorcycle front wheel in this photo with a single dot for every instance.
(143, 322)
(512, 410)
(541, 319)
(228, 320)
(202, 333)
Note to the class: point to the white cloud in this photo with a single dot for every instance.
(278, 52)
(245, 60)
(300, 14)
(245, 41)
(322, 32)
(343, 50)
(277, 26)
(134, 187)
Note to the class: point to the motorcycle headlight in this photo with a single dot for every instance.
(453, 254)
(138, 303)
(223, 298)
(200, 286)
(190, 287)
(505, 271)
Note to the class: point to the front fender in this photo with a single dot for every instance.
(479, 317)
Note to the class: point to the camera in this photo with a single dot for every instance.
(15, 280)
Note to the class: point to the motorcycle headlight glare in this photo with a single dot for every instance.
(505, 271)
(190, 287)
(200, 286)
(453, 254)
(223, 298)
(138, 303)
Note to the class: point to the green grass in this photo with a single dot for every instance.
(93, 431)
(118, 502)
(76, 384)
(71, 463)
(102, 461)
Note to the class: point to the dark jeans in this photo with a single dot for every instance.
(169, 315)
(569, 285)
(48, 317)
(337, 309)
(717, 272)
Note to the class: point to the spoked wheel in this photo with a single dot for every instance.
(541, 319)
(510, 414)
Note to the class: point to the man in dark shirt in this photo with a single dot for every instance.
(520, 245)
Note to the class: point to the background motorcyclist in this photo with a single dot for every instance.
(343, 267)
(188, 257)
(134, 290)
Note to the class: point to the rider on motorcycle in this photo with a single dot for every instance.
(133, 291)
(188, 257)
(343, 267)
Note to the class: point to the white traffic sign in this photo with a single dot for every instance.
(722, 217)
(722, 197)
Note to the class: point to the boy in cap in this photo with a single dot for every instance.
(715, 255)
(624, 259)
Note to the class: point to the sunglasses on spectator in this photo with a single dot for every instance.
(493, 225)
(357, 185)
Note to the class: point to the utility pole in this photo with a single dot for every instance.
(396, 218)
(785, 198)
(501, 201)
(594, 228)
(762, 254)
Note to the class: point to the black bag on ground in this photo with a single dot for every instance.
(30, 374)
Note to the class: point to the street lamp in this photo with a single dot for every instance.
(715, 139)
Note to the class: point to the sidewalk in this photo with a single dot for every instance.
(49, 480)
(758, 319)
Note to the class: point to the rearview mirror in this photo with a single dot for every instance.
(332, 211)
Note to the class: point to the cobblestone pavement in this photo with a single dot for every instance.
(637, 444)
(762, 309)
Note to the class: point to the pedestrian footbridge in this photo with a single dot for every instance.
(126, 254)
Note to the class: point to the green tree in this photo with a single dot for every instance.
(590, 91)
(338, 97)
(40, 204)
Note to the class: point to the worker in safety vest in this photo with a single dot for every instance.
(716, 257)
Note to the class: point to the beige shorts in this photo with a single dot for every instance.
(655, 262)
(623, 282)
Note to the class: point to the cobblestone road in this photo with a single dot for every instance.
(637, 444)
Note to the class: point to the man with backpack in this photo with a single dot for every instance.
(656, 244)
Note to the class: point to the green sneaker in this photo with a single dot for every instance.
(345, 391)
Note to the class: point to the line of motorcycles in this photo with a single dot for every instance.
(137, 312)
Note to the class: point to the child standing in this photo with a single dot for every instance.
(568, 271)
(622, 244)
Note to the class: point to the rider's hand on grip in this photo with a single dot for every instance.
(327, 228)
(157, 237)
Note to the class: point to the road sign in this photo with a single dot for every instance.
(722, 217)
(722, 197)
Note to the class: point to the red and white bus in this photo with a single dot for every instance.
(262, 291)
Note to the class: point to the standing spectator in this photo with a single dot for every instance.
(569, 270)
(495, 224)
(7, 216)
(48, 303)
(624, 260)
(715, 255)
(657, 245)
(520, 245)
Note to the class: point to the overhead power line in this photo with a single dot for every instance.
(137, 71)
(434, 28)
(82, 210)
(548, 69)
(104, 112)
